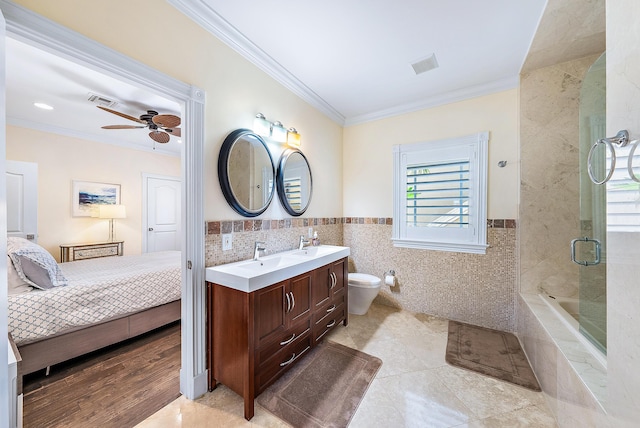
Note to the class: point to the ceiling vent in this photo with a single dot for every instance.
(101, 100)
(425, 64)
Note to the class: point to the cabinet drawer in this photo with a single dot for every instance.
(91, 253)
(329, 307)
(324, 325)
(283, 340)
(268, 372)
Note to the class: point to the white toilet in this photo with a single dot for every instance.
(363, 288)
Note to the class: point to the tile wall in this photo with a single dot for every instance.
(473, 288)
(549, 177)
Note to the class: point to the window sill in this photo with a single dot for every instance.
(442, 246)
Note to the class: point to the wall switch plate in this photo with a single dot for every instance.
(227, 242)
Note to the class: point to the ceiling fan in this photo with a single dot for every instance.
(160, 125)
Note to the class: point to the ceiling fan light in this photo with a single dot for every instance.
(278, 132)
(261, 125)
(293, 138)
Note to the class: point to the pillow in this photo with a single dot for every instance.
(34, 264)
(16, 284)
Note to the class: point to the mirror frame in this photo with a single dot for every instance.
(223, 176)
(282, 164)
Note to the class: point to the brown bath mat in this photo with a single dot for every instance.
(490, 352)
(324, 389)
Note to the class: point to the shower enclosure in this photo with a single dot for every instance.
(589, 249)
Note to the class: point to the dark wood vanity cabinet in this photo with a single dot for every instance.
(253, 338)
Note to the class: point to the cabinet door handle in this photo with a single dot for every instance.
(289, 361)
(286, 342)
(331, 309)
(334, 280)
(331, 324)
(293, 301)
(288, 303)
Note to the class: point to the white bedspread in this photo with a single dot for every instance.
(99, 289)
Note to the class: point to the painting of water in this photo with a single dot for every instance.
(87, 196)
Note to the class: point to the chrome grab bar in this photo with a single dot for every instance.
(584, 262)
(621, 139)
(331, 309)
(286, 342)
(289, 361)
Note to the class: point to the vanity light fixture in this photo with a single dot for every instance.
(261, 125)
(278, 132)
(293, 138)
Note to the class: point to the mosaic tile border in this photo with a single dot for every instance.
(229, 226)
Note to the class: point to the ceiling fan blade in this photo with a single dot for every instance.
(174, 131)
(166, 120)
(122, 127)
(159, 136)
(117, 113)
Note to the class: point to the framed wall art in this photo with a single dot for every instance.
(88, 195)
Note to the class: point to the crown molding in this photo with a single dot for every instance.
(202, 14)
(438, 100)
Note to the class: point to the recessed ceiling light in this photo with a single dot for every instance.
(43, 106)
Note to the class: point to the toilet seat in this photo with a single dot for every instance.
(364, 280)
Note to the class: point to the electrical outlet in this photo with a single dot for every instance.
(227, 243)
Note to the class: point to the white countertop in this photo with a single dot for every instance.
(251, 275)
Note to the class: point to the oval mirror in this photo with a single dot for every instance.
(294, 182)
(246, 172)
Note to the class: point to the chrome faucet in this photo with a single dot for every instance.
(260, 246)
(303, 242)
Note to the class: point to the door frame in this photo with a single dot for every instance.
(29, 27)
(145, 205)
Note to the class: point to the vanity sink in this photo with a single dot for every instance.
(266, 263)
(251, 275)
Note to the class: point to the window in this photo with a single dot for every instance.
(440, 194)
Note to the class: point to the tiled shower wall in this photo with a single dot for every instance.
(473, 288)
(550, 179)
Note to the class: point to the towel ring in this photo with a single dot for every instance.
(621, 139)
(608, 144)
(630, 162)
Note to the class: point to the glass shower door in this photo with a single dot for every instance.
(590, 249)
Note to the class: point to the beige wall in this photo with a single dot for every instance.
(368, 159)
(63, 159)
(235, 89)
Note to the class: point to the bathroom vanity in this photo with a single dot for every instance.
(264, 315)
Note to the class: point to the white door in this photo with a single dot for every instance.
(22, 199)
(162, 213)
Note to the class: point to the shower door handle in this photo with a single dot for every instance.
(585, 262)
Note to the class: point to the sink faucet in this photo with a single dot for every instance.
(260, 246)
(303, 242)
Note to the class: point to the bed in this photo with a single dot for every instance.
(60, 311)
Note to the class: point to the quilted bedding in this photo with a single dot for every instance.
(99, 289)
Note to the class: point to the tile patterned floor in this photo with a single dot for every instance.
(415, 387)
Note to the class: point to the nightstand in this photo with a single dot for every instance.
(90, 250)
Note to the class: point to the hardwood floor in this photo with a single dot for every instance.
(116, 387)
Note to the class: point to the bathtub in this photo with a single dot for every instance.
(568, 310)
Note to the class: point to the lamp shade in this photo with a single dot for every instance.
(293, 138)
(112, 211)
(261, 125)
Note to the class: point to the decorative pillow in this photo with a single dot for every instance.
(34, 264)
(16, 284)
